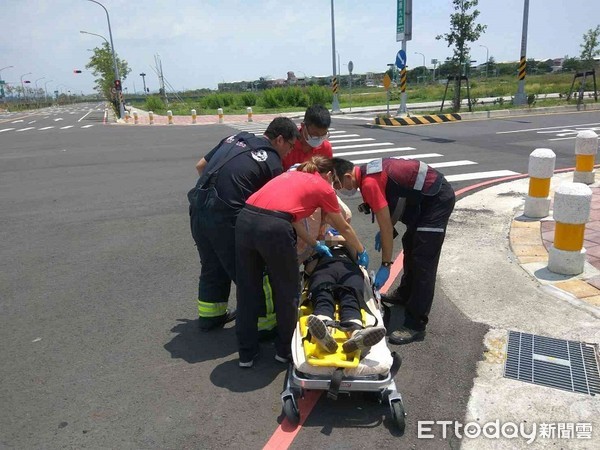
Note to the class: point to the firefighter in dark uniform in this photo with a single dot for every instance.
(419, 196)
(229, 174)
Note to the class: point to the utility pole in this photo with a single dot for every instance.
(143, 75)
(161, 78)
(404, 34)
(335, 107)
(521, 96)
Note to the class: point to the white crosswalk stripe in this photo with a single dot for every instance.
(45, 128)
(6, 129)
(25, 129)
(367, 148)
(67, 127)
(87, 126)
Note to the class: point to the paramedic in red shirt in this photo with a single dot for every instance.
(419, 196)
(266, 233)
(313, 137)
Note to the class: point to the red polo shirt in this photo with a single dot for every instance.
(299, 155)
(372, 188)
(297, 193)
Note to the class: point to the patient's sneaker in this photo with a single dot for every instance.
(318, 330)
(364, 339)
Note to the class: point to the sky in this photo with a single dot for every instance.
(205, 42)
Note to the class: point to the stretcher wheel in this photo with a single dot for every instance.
(398, 414)
(291, 410)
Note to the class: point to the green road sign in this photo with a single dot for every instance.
(400, 20)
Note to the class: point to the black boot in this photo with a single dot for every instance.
(213, 323)
(394, 298)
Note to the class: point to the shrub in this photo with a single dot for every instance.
(272, 98)
(248, 99)
(319, 95)
(295, 96)
(154, 103)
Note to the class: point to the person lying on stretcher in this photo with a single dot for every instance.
(339, 279)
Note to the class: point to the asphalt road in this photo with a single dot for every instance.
(99, 276)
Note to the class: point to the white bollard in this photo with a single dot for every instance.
(220, 113)
(541, 168)
(193, 116)
(135, 117)
(126, 116)
(151, 117)
(586, 147)
(572, 202)
(170, 117)
(249, 111)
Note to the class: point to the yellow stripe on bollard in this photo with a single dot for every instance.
(568, 236)
(539, 187)
(584, 163)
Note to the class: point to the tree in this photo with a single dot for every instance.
(590, 47)
(102, 67)
(571, 64)
(463, 30)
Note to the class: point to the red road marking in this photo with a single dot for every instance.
(285, 433)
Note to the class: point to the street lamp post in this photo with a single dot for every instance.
(46, 89)
(335, 106)
(112, 47)
(36, 87)
(487, 59)
(2, 82)
(424, 66)
(143, 75)
(22, 87)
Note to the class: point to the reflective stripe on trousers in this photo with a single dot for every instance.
(206, 309)
(269, 321)
(431, 230)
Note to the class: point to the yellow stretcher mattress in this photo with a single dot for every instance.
(309, 359)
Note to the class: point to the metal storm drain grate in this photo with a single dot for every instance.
(567, 365)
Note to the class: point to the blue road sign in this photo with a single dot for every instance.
(401, 59)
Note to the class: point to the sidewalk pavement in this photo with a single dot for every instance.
(502, 282)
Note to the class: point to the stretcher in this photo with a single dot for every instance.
(338, 373)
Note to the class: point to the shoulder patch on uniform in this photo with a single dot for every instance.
(259, 155)
(375, 166)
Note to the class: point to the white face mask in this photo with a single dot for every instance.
(347, 192)
(312, 140)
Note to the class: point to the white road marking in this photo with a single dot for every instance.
(56, 120)
(24, 129)
(378, 144)
(344, 136)
(464, 162)
(68, 126)
(6, 129)
(421, 156)
(351, 140)
(46, 128)
(17, 121)
(29, 123)
(546, 128)
(385, 150)
(335, 132)
(87, 126)
(480, 175)
(563, 138)
(86, 114)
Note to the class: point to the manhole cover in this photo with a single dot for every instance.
(557, 363)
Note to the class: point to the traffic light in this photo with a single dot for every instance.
(118, 85)
(76, 71)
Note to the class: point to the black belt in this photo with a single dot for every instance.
(279, 214)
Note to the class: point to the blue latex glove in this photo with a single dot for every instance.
(382, 276)
(363, 259)
(378, 241)
(322, 249)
